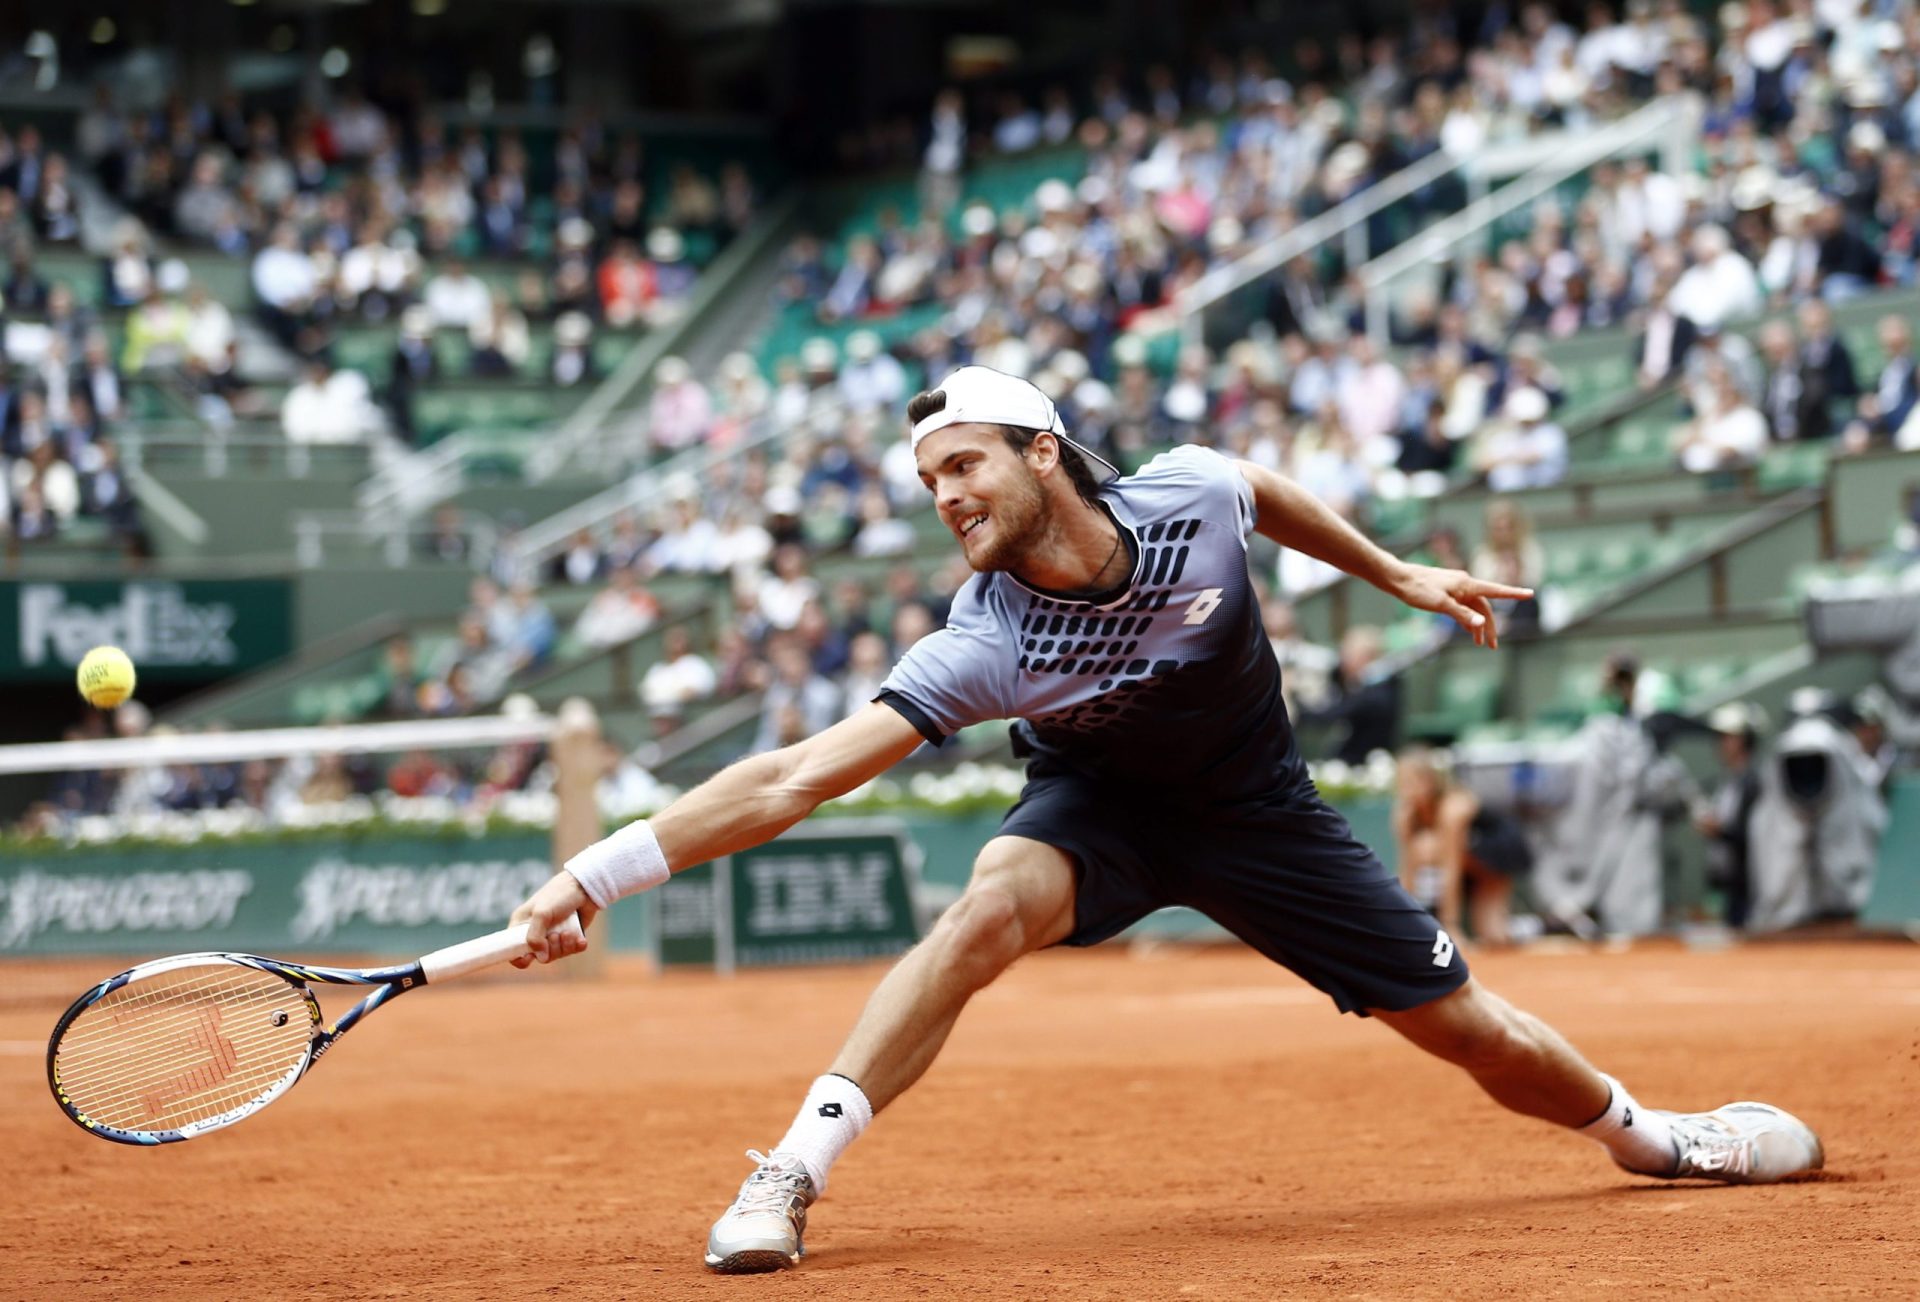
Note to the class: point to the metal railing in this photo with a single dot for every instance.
(154, 446)
(544, 539)
(412, 481)
(1346, 221)
(580, 438)
(1668, 124)
(398, 540)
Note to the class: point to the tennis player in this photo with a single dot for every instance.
(1114, 620)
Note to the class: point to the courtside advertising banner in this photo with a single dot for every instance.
(191, 630)
(829, 890)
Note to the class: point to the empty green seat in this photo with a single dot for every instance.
(1792, 465)
(1467, 701)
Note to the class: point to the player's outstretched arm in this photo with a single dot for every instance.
(745, 805)
(1293, 517)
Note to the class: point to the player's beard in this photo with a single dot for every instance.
(1017, 521)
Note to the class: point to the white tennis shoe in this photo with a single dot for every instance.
(762, 1231)
(1742, 1143)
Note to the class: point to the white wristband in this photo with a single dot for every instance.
(625, 863)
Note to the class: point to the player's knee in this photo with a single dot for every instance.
(981, 934)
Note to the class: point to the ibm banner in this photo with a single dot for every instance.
(828, 891)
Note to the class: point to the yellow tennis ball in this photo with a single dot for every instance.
(106, 677)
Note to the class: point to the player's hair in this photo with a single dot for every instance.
(923, 405)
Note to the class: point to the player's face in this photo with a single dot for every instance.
(985, 493)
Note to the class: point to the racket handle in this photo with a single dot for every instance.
(484, 951)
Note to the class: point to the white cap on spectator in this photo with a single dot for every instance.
(863, 346)
(1039, 244)
(739, 366)
(673, 370)
(1054, 195)
(1130, 350)
(1865, 91)
(665, 244)
(1867, 135)
(1347, 162)
(1070, 365)
(417, 322)
(1093, 190)
(570, 330)
(1526, 405)
(1737, 717)
(1754, 188)
(1092, 395)
(978, 219)
(575, 233)
(990, 397)
(782, 500)
(819, 354)
(173, 277)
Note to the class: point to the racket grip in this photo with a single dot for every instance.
(484, 951)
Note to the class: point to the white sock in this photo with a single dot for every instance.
(1639, 1138)
(832, 1117)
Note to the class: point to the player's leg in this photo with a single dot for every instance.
(1522, 1062)
(1526, 1065)
(1301, 889)
(1021, 898)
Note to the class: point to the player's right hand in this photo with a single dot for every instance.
(548, 910)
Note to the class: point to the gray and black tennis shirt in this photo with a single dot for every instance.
(1167, 683)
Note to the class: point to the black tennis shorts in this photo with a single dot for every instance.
(1290, 880)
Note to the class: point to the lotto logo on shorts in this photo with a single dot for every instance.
(1442, 949)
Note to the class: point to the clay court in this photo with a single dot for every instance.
(1175, 1122)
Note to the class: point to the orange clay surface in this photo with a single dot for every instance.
(1116, 1124)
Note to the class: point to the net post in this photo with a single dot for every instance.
(578, 761)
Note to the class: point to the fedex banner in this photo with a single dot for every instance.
(204, 628)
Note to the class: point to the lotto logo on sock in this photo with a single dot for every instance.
(832, 1110)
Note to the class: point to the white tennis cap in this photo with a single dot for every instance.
(982, 394)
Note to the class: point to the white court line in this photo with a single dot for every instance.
(21, 1048)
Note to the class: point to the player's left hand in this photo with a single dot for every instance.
(1459, 595)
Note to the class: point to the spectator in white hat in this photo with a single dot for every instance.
(1728, 434)
(1524, 449)
(680, 413)
(458, 299)
(872, 379)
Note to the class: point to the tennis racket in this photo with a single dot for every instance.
(183, 1046)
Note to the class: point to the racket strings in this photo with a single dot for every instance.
(183, 1046)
